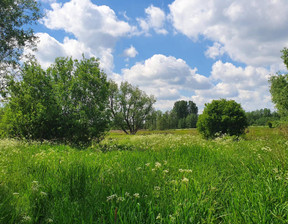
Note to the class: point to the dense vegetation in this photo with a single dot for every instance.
(148, 178)
(262, 117)
(65, 103)
(183, 115)
(222, 117)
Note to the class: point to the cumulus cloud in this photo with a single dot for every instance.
(248, 31)
(165, 77)
(248, 86)
(130, 52)
(170, 79)
(94, 30)
(165, 71)
(155, 20)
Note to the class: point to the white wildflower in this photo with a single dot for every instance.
(158, 216)
(49, 220)
(136, 195)
(157, 165)
(26, 218)
(157, 188)
(147, 164)
(185, 180)
(111, 197)
(120, 199)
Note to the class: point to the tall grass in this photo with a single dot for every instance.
(149, 178)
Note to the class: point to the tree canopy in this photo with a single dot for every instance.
(222, 117)
(68, 102)
(15, 33)
(279, 87)
(130, 107)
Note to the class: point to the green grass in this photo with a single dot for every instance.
(155, 177)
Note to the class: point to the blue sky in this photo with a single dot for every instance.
(174, 49)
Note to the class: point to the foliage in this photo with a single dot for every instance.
(15, 34)
(130, 107)
(285, 56)
(66, 103)
(183, 115)
(279, 92)
(222, 117)
(151, 178)
(261, 117)
(279, 88)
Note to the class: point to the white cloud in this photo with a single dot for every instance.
(95, 29)
(215, 51)
(155, 20)
(170, 79)
(130, 52)
(49, 48)
(248, 86)
(162, 71)
(249, 31)
(165, 77)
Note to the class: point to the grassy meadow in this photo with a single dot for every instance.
(152, 177)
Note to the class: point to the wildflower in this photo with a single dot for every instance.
(111, 197)
(138, 168)
(35, 185)
(120, 199)
(172, 218)
(127, 194)
(157, 188)
(26, 218)
(157, 165)
(49, 220)
(42, 193)
(185, 171)
(165, 171)
(158, 216)
(136, 195)
(185, 180)
(147, 164)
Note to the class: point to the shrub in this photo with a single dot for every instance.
(66, 103)
(222, 117)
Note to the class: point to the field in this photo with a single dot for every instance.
(153, 177)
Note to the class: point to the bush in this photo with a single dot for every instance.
(222, 117)
(66, 103)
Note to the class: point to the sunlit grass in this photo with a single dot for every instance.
(159, 177)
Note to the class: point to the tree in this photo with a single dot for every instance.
(186, 113)
(181, 109)
(15, 34)
(261, 117)
(129, 106)
(279, 87)
(68, 102)
(222, 117)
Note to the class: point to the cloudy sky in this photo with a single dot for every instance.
(174, 49)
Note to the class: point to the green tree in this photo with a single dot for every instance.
(222, 117)
(261, 117)
(181, 109)
(15, 33)
(191, 120)
(279, 88)
(68, 102)
(186, 113)
(130, 107)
